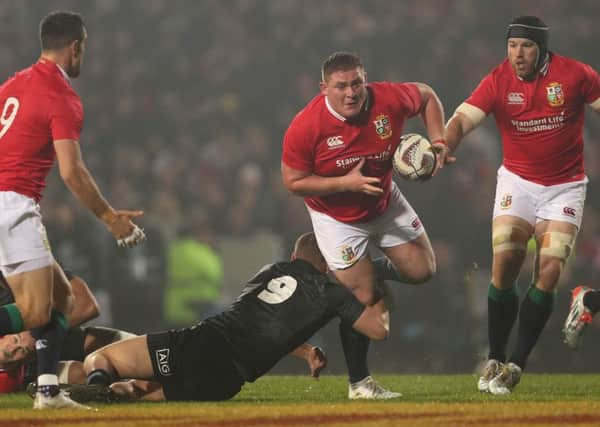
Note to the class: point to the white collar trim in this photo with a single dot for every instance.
(64, 73)
(333, 112)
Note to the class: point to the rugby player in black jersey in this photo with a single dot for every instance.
(280, 308)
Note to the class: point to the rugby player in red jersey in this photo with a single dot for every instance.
(538, 100)
(41, 118)
(337, 155)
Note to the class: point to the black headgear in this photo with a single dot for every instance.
(534, 29)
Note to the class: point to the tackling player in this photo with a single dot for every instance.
(41, 117)
(281, 307)
(538, 100)
(337, 155)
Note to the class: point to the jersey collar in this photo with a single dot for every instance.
(333, 112)
(64, 73)
(48, 64)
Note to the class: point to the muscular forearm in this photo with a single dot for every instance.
(84, 188)
(466, 118)
(302, 351)
(454, 133)
(433, 118)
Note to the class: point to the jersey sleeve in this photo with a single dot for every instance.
(345, 305)
(298, 152)
(408, 96)
(484, 95)
(66, 118)
(591, 84)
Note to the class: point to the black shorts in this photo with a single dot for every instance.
(194, 364)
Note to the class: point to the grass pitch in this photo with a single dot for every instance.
(449, 400)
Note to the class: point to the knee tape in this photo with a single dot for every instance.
(557, 244)
(509, 238)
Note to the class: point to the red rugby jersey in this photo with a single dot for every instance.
(541, 122)
(38, 106)
(321, 142)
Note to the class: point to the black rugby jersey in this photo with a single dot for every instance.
(280, 308)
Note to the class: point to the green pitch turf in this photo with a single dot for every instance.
(559, 400)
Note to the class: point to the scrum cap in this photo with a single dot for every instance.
(534, 29)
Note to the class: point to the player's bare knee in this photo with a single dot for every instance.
(366, 296)
(90, 361)
(424, 272)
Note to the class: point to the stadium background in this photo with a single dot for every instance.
(186, 105)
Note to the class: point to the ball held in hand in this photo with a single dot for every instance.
(414, 158)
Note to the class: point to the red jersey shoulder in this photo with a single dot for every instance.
(307, 122)
(498, 89)
(581, 76)
(302, 135)
(398, 96)
(312, 110)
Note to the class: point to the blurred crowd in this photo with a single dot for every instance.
(186, 105)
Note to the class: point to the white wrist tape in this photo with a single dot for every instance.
(136, 237)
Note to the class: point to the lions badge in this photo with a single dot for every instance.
(348, 254)
(383, 127)
(555, 94)
(506, 201)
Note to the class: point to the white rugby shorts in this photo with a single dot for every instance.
(22, 235)
(343, 244)
(535, 202)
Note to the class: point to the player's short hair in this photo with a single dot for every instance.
(306, 243)
(340, 61)
(61, 28)
(306, 247)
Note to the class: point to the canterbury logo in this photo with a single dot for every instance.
(334, 142)
(569, 211)
(162, 360)
(516, 98)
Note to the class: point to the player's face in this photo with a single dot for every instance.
(78, 52)
(16, 347)
(346, 91)
(523, 55)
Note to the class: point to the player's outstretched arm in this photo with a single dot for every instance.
(432, 114)
(83, 186)
(314, 356)
(466, 118)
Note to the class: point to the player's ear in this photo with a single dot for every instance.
(76, 47)
(293, 256)
(323, 87)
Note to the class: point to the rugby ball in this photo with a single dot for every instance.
(414, 158)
